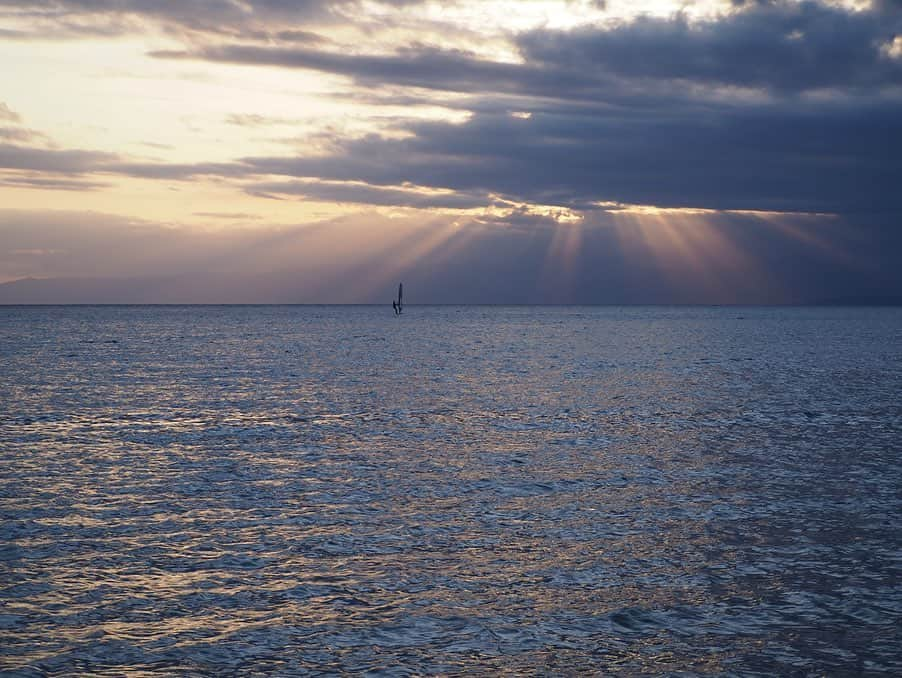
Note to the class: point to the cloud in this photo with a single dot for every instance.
(780, 47)
(796, 155)
(86, 18)
(775, 106)
(424, 67)
(371, 195)
(227, 215)
(17, 134)
(287, 36)
(256, 120)
(8, 114)
(808, 157)
(814, 156)
(168, 171)
(157, 145)
(719, 113)
(52, 160)
(887, 5)
(49, 183)
(21, 135)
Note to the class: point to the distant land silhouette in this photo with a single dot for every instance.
(294, 288)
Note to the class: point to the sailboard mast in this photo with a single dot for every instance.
(400, 294)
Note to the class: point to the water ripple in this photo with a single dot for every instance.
(306, 491)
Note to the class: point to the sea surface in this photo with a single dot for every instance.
(302, 490)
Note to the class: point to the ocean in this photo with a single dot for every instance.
(306, 490)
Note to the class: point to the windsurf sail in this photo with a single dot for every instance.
(396, 305)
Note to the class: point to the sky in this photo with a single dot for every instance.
(490, 151)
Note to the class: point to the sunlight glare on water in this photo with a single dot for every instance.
(294, 490)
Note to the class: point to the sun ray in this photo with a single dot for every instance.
(562, 262)
(370, 264)
(694, 251)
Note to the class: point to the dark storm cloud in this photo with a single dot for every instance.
(785, 47)
(782, 48)
(817, 157)
(635, 113)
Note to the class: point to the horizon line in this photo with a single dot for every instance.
(822, 304)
